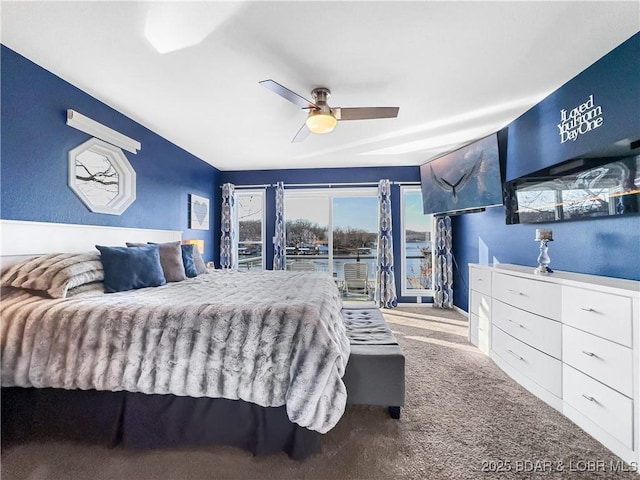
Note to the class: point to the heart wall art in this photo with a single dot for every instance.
(198, 212)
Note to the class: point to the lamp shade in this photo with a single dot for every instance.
(321, 122)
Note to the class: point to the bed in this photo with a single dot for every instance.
(250, 359)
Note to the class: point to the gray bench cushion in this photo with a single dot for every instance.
(375, 372)
(366, 326)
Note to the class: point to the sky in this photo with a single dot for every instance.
(357, 212)
(315, 209)
(354, 212)
(250, 206)
(414, 218)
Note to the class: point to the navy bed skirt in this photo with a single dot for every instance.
(137, 420)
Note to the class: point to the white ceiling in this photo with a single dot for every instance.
(190, 71)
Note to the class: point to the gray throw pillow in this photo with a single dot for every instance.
(170, 259)
(199, 262)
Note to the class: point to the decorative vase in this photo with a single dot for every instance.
(544, 237)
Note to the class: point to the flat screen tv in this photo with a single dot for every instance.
(464, 180)
(577, 189)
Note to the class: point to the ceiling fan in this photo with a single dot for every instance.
(321, 117)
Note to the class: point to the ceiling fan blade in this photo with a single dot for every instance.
(365, 113)
(287, 94)
(302, 134)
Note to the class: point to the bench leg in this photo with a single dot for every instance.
(394, 412)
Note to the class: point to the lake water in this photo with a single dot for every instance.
(413, 268)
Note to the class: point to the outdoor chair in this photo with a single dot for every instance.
(356, 278)
(301, 266)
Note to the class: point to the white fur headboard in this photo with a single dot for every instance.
(20, 238)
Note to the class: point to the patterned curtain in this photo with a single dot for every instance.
(228, 238)
(279, 239)
(443, 259)
(385, 294)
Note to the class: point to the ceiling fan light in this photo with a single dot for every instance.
(321, 122)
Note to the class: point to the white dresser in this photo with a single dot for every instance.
(571, 339)
(480, 308)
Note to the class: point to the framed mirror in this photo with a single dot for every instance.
(102, 177)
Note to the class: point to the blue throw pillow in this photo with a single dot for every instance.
(131, 268)
(189, 261)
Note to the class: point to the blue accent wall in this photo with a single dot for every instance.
(534, 137)
(324, 176)
(608, 246)
(34, 161)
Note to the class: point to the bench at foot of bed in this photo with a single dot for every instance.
(375, 372)
(394, 412)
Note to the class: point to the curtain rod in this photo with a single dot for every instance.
(356, 184)
(329, 185)
(264, 185)
(361, 184)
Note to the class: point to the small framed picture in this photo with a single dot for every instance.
(198, 212)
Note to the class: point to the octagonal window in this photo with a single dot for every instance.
(102, 177)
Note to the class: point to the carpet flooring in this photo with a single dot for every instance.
(463, 419)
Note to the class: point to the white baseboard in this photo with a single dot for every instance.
(430, 305)
(409, 304)
(461, 311)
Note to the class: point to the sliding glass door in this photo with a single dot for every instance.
(308, 220)
(250, 205)
(328, 228)
(417, 246)
(355, 233)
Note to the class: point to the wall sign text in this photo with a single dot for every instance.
(579, 120)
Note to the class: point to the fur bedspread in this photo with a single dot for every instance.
(271, 338)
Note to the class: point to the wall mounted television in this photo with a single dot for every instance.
(465, 180)
(588, 188)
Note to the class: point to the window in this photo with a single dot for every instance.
(355, 232)
(308, 218)
(417, 251)
(102, 177)
(328, 228)
(250, 204)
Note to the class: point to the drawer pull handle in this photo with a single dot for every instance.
(515, 292)
(587, 309)
(515, 323)
(591, 399)
(516, 355)
(589, 354)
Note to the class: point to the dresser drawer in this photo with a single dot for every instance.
(601, 359)
(534, 330)
(479, 332)
(603, 314)
(546, 371)
(480, 280)
(610, 410)
(473, 329)
(531, 295)
(480, 304)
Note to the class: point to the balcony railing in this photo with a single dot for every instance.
(416, 279)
